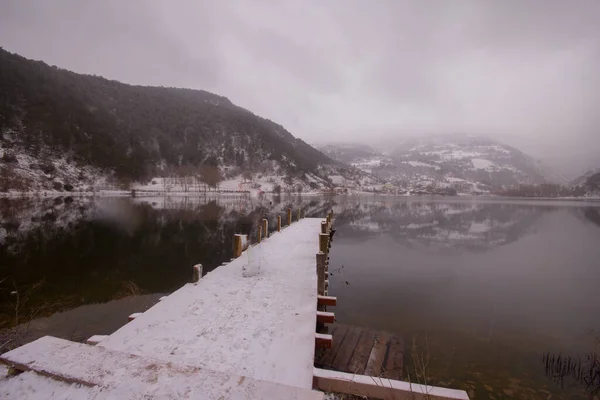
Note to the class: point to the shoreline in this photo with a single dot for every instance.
(244, 193)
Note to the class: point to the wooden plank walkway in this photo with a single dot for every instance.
(362, 351)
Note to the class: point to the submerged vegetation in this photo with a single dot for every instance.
(573, 371)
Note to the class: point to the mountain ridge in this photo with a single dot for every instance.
(132, 132)
(465, 163)
(587, 184)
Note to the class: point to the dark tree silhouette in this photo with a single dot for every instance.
(137, 131)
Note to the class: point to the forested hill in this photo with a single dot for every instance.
(137, 131)
(588, 184)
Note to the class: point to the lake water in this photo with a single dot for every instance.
(483, 288)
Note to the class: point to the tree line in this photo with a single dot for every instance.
(543, 190)
(138, 131)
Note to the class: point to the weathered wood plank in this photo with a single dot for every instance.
(238, 241)
(134, 316)
(323, 340)
(377, 356)
(324, 243)
(196, 273)
(362, 385)
(325, 317)
(339, 334)
(362, 351)
(327, 300)
(265, 228)
(342, 358)
(126, 376)
(320, 260)
(321, 353)
(394, 362)
(94, 340)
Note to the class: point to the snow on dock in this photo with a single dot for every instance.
(253, 317)
(246, 330)
(73, 370)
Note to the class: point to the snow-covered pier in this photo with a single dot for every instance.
(247, 330)
(244, 330)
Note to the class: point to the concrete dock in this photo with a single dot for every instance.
(246, 330)
(251, 320)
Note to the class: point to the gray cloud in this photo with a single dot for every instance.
(522, 71)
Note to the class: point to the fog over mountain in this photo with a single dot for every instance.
(523, 72)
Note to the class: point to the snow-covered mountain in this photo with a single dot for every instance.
(588, 184)
(349, 152)
(53, 120)
(465, 164)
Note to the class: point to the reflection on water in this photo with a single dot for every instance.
(438, 226)
(592, 215)
(491, 285)
(83, 321)
(64, 253)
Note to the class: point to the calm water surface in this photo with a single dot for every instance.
(97, 261)
(484, 288)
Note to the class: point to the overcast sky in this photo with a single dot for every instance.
(523, 71)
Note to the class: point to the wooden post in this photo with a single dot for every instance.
(326, 300)
(324, 227)
(134, 316)
(279, 223)
(265, 228)
(238, 244)
(289, 216)
(320, 273)
(323, 243)
(323, 341)
(259, 234)
(299, 213)
(94, 340)
(197, 273)
(325, 317)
